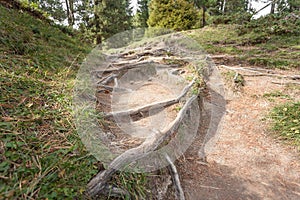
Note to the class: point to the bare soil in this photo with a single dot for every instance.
(246, 162)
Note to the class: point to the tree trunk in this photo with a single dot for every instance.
(71, 17)
(223, 6)
(97, 22)
(273, 4)
(203, 16)
(70, 11)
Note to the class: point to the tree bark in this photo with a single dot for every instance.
(97, 22)
(273, 4)
(203, 16)
(70, 11)
(223, 6)
(152, 106)
(98, 184)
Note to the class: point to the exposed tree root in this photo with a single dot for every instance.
(176, 180)
(98, 185)
(256, 72)
(153, 106)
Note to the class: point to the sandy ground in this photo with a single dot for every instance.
(246, 162)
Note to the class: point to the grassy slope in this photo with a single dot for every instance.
(41, 155)
(272, 51)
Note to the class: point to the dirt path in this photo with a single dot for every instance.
(246, 162)
(243, 162)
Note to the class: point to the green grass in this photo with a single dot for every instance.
(135, 183)
(286, 122)
(255, 48)
(41, 155)
(272, 96)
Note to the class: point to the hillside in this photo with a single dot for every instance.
(41, 155)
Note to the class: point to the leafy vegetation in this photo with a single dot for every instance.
(110, 17)
(177, 15)
(286, 122)
(135, 183)
(272, 96)
(142, 14)
(41, 155)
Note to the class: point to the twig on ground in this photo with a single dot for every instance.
(285, 83)
(175, 177)
(257, 73)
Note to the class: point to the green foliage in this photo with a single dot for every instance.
(277, 24)
(54, 8)
(27, 6)
(285, 122)
(177, 15)
(41, 155)
(232, 18)
(235, 6)
(272, 96)
(110, 17)
(142, 15)
(251, 47)
(134, 183)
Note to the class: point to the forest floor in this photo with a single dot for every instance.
(246, 161)
(42, 156)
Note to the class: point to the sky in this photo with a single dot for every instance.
(134, 4)
(255, 5)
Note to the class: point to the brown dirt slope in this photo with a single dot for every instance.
(246, 162)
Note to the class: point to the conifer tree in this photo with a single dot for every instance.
(173, 14)
(110, 17)
(142, 14)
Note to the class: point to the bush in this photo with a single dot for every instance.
(176, 15)
(236, 18)
(286, 122)
(277, 24)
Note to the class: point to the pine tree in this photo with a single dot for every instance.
(142, 14)
(204, 5)
(53, 7)
(110, 17)
(173, 14)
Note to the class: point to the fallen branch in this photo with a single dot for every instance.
(210, 187)
(155, 52)
(110, 88)
(285, 83)
(97, 185)
(153, 106)
(107, 79)
(113, 191)
(294, 15)
(126, 67)
(141, 52)
(257, 73)
(143, 59)
(175, 177)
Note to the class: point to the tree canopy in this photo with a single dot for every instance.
(100, 19)
(174, 14)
